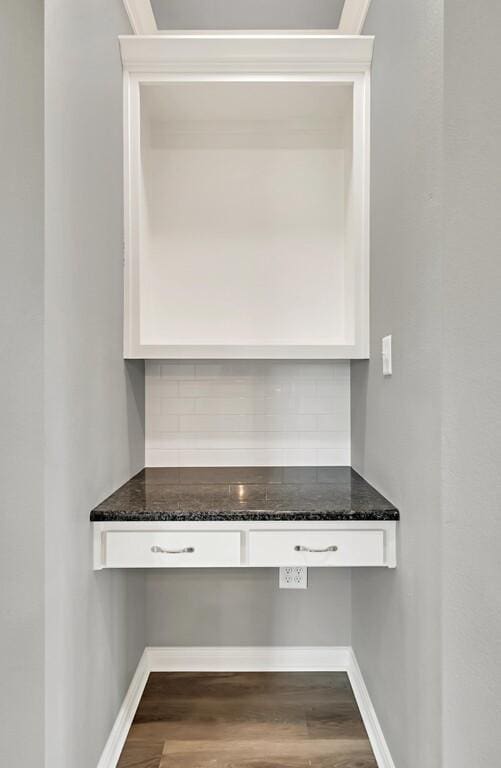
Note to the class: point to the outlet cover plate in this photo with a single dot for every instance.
(293, 577)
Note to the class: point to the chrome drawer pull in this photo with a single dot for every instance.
(299, 548)
(172, 551)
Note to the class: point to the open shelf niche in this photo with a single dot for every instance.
(246, 197)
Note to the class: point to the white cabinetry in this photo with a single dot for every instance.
(246, 195)
(250, 543)
(174, 549)
(322, 548)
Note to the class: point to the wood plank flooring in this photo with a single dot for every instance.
(247, 720)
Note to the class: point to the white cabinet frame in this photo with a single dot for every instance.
(247, 57)
(326, 528)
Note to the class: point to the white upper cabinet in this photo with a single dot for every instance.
(246, 195)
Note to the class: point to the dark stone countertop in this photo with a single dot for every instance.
(245, 493)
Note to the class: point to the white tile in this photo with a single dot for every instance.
(326, 388)
(248, 412)
(318, 405)
(173, 441)
(162, 387)
(219, 388)
(304, 388)
(155, 458)
(215, 423)
(273, 422)
(336, 440)
(178, 370)
(313, 369)
(331, 457)
(152, 369)
(178, 405)
(194, 388)
(329, 422)
(231, 405)
(281, 404)
(165, 422)
(272, 439)
(231, 458)
(300, 457)
(247, 368)
(153, 406)
(207, 369)
(216, 441)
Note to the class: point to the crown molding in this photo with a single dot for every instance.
(246, 52)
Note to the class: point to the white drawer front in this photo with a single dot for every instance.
(337, 548)
(179, 549)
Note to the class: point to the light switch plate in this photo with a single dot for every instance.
(386, 355)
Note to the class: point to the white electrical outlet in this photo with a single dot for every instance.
(293, 577)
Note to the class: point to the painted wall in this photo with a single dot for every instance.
(243, 14)
(246, 607)
(445, 342)
(94, 401)
(247, 412)
(396, 421)
(472, 387)
(21, 382)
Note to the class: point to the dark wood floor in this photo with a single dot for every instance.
(247, 720)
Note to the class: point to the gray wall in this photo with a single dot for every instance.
(94, 401)
(396, 421)
(247, 14)
(428, 434)
(472, 386)
(246, 607)
(21, 382)
(428, 635)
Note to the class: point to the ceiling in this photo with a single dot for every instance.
(247, 14)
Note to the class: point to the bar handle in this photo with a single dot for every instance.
(299, 548)
(163, 551)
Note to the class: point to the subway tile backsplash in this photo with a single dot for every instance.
(247, 412)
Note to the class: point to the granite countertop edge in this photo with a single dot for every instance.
(99, 516)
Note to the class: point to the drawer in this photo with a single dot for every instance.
(335, 548)
(176, 549)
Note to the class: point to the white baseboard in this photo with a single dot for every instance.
(114, 745)
(249, 659)
(368, 713)
(246, 659)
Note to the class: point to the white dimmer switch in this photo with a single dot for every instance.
(386, 354)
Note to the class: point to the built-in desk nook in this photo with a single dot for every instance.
(245, 517)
